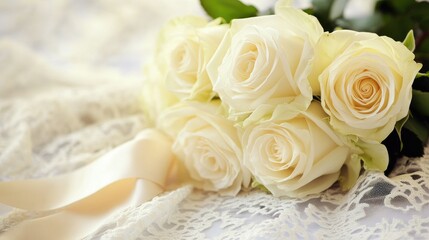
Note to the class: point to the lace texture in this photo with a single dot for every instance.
(69, 92)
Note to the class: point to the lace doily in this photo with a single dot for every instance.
(69, 94)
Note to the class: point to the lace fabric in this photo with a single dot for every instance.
(69, 94)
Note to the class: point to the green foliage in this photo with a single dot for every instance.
(418, 127)
(228, 9)
(419, 75)
(321, 9)
(398, 127)
(409, 41)
(255, 184)
(419, 124)
(420, 103)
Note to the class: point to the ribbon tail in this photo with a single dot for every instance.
(132, 173)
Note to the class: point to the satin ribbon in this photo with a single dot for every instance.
(130, 174)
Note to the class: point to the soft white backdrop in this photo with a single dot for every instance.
(70, 79)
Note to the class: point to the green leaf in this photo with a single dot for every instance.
(420, 102)
(414, 136)
(228, 9)
(418, 127)
(375, 155)
(398, 127)
(419, 75)
(409, 41)
(257, 185)
(396, 27)
(321, 10)
(402, 6)
(350, 172)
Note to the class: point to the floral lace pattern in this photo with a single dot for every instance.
(69, 94)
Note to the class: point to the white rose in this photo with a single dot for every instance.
(208, 146)
(185, 46)
(264, 61)
(298, 156)
(155, 97)
(364, 81)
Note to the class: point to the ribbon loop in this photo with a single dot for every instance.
(128, 175)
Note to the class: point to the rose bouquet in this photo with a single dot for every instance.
(277, 103)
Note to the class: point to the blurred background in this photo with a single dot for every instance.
(112, 37)
(116, 37)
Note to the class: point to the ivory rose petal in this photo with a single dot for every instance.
(265, 61)
(185, 46)
(364, 82)
(298, 156)
(207, 145)
(155, 97)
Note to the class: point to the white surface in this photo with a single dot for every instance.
(70, 79)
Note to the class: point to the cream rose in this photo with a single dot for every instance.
(155, 97)
(185, 46)
(364, 81)
(298, 156)
(265, 61)
(208, 146)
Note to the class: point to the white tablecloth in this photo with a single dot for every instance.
(70, 79)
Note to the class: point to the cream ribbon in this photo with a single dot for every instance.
(130, 174)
